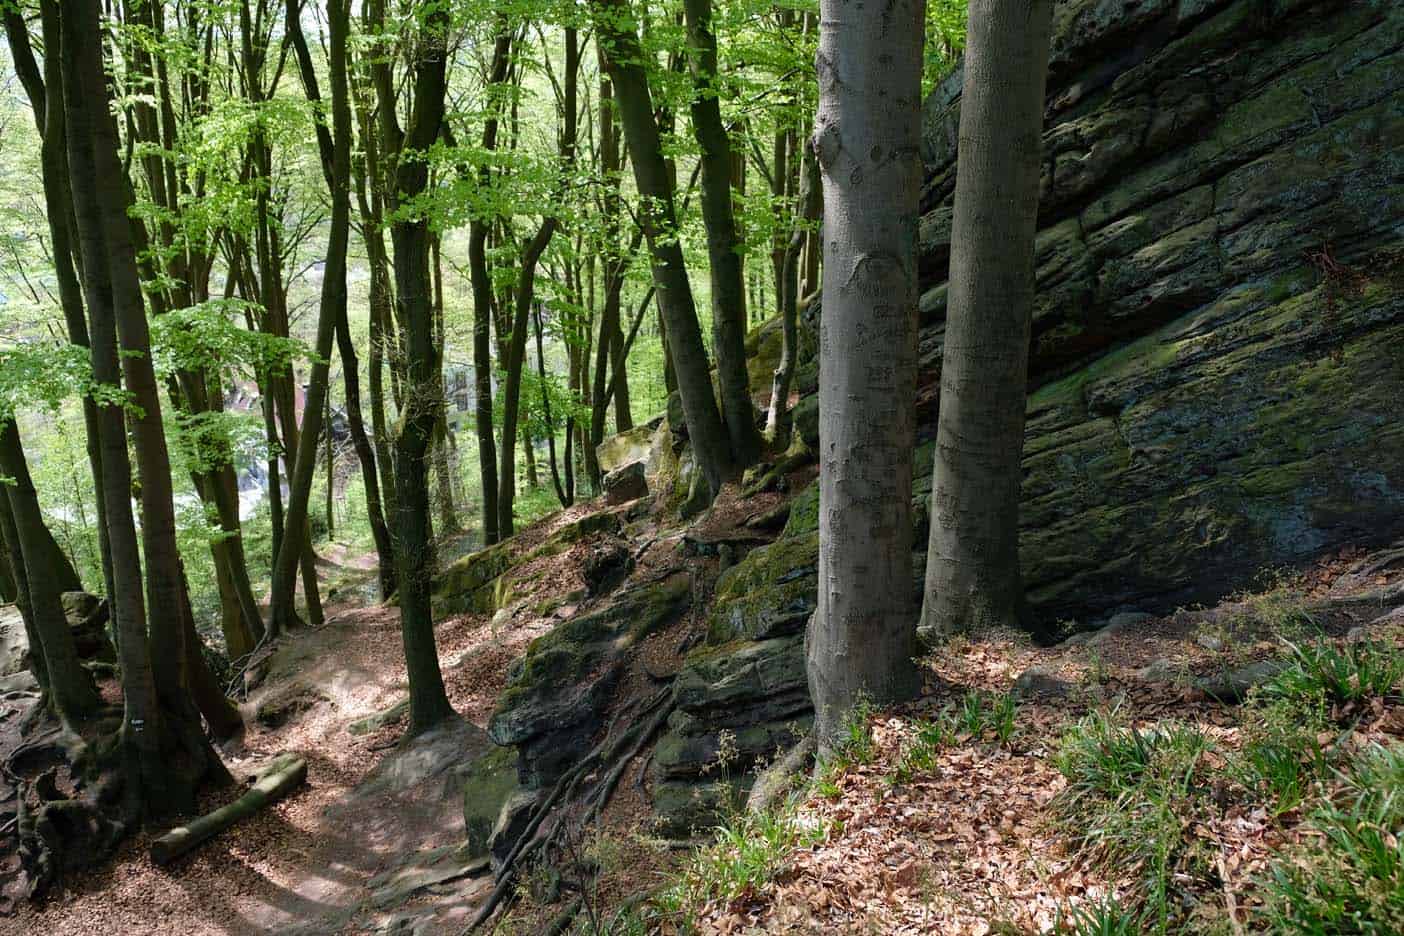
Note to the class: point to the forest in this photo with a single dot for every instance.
(701, 466)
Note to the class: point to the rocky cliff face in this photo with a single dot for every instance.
(1217, 374)
(1221, 260)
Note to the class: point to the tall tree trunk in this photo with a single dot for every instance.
(525, 296)
(624, 61)
(972, 566)
(46, 101)
(166, 753)
(71, 691)
(444, 464)
(609, 352)
(483, 308)
(724, 247)
(294, 550)
(512, 386)
(861, 640)
(423, 400)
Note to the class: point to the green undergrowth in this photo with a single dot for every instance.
(1141, 802)
(1145, 804)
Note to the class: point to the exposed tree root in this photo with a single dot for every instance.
(616, 751)
(69, 808)
(775, 781)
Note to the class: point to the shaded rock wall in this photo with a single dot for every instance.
(1215, 353)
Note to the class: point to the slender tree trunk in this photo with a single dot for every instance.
(777, 424)
(972, 568)
(615, 22)
(561, 494)
(609, 351)
(525, 297)
(365, 453)
(483, 310)
(295, 547)
(71, 690)
(423, 400)
(382, 331)
(331, 466)
(861, 640)
(512, 389)
(724, 247)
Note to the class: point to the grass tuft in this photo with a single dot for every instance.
(1348, 875)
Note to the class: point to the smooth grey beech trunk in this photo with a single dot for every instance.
(862, 637)
(972, 566)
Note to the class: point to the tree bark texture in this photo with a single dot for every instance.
(861, 639)
(423, 397)
(972, 568)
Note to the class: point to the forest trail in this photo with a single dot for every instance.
(339, 854)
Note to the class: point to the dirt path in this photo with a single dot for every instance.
(312, 863)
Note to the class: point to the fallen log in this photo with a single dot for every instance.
(275, 781)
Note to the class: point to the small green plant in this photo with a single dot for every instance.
(854, 746)
(1101, 757)
(1274, 771)
(1282, 611)
(1107, 917)
(1322, 672)
(972, 713)
(1349, 877)
(1004, 717)
(1096, 673)
(747, 852)
(919, 754)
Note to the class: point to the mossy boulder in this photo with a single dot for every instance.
(626, 448)
(482, 582)
(555, 697)
(487, 785)
(768, 594)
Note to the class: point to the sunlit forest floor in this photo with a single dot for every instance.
(1159, 771)
(310, 860)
